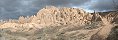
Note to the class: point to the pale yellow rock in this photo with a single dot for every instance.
(52, 23)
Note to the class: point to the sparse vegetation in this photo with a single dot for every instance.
(53, 23)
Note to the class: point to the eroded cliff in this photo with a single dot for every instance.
(52, 23)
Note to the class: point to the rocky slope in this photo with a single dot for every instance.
(52, 23)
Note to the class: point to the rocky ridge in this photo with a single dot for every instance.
(52, 23)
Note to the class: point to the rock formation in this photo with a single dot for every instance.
(52, 23)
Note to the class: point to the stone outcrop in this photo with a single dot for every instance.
(52, 23)
(62, 16)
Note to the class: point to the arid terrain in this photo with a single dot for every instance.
(52, 23)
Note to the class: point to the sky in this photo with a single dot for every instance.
(12, 9)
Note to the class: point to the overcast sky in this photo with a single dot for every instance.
(12, 9)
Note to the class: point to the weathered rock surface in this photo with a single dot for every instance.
(53, 23)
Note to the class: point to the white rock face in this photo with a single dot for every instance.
(63, 16)
(53, 23)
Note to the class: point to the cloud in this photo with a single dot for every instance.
(60, 2)
(102, 5)
(15, 8)
(12, 9)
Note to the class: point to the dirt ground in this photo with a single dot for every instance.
(53, 23)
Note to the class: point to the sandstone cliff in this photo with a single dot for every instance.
(52, 23)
